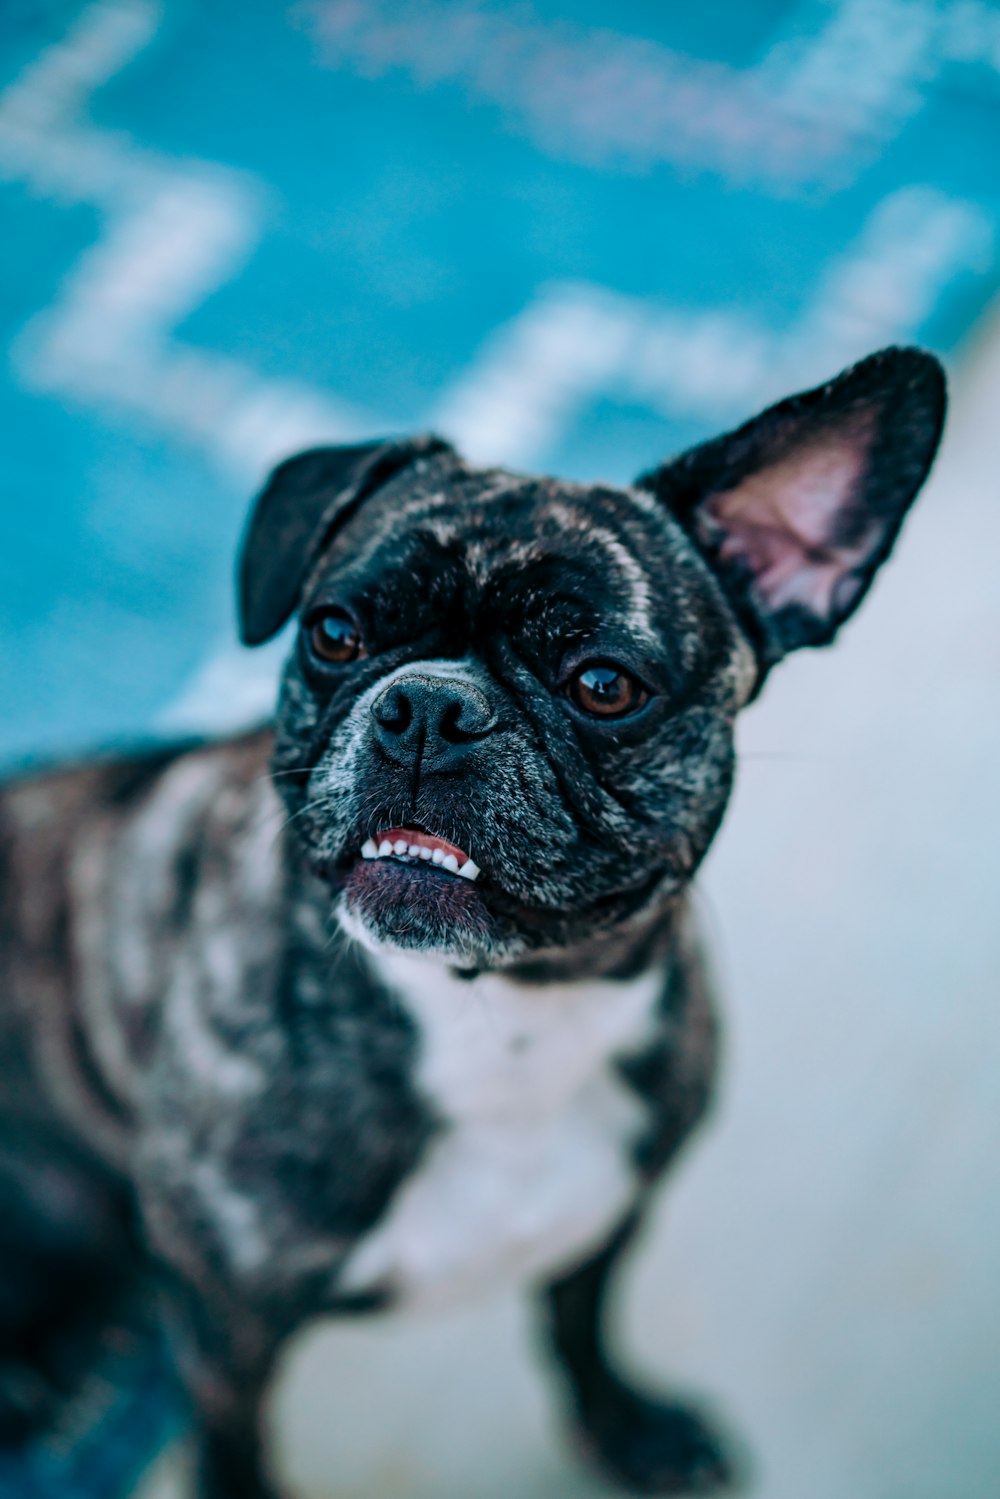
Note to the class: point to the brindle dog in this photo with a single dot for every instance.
(403, 994)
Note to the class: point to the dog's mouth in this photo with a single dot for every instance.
(410, 888)
(414, 845)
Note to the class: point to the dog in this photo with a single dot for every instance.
(403, 994)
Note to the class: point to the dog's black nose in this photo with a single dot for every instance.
(431, 719)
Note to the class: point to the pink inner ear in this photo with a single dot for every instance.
(781, 520)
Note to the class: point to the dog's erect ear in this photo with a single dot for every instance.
(303, 502)
(796, 510)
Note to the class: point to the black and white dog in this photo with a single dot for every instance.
(404, 996)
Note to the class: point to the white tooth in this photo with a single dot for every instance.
(469, 871)
(425, 852)
(369, 849)
(399, 847)
(384, 848)
(414, 850)
(450, 863)
(438, 856)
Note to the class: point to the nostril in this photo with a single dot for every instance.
(393, 711)
(448, 724)
(462, 721)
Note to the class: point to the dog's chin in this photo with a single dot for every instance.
(393, 906)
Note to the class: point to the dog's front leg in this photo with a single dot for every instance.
(225, 1355)
(649, 1445)
(226, 1319)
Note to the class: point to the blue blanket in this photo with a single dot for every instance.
(104, 1438)
(230, 230)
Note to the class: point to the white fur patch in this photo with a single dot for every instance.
(533, 1168)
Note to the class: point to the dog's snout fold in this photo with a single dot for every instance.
(431, 719)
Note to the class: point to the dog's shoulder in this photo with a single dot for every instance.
(676, 1072)
(53, 819)
(92, 856)
(44, 810)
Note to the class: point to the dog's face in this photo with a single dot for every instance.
(544, 676)
(506, 726)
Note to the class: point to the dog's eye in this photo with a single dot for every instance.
(334, 637)
(606, 690)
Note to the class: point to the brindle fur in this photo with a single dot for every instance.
(178, 1000)
(186, 1029)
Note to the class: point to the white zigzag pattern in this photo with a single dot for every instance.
(175, 230)
(844, 79)
(576, 341)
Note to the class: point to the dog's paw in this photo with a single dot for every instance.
(654, 1447)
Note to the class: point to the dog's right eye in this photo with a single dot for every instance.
(334, 638)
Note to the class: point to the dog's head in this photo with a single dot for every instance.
(506, 726)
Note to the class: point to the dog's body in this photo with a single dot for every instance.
(467, 779)
(495, 1130)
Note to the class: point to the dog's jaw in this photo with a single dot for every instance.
(416, 906)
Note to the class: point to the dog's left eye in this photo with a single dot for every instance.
(606, 690)
(335, 638)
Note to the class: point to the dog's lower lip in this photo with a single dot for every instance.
(412, 844)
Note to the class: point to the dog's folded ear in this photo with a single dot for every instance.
(306, 499)
(797, 509)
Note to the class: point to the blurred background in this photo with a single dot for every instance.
(572, 237)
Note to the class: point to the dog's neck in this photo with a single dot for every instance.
(625, 954)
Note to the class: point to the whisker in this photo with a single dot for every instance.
(309, 807)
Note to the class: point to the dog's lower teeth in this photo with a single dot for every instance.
(384, 848)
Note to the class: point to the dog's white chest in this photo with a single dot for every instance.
(533, 1167)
